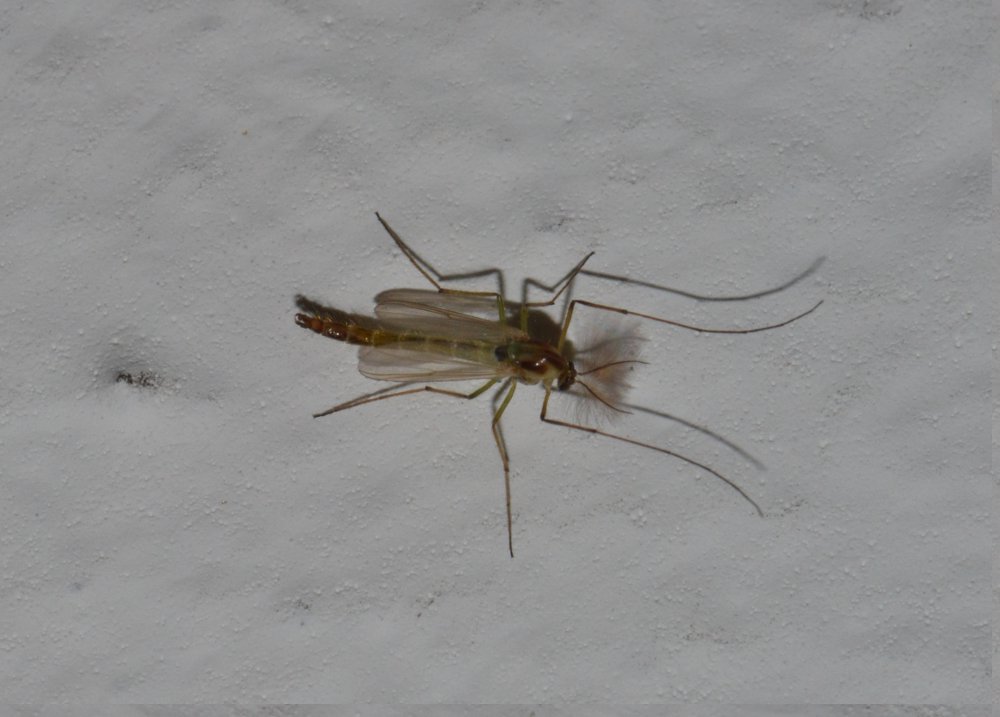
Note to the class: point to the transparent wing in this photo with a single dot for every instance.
(386, 363)
(456, 316)
(449, 318)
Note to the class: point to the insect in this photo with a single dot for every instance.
(440, 335)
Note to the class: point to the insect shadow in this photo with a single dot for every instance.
(442, 334)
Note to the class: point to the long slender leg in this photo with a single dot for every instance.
(435, 278)
(557, 290)
(704, 297)
(560, 286)
(509, 385)
(701, 329)
(433, 275)
(426, 269)
(364, 398)
(632, 441)
(502, 447)
(381, 395)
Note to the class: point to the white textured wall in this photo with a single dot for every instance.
(173, 173)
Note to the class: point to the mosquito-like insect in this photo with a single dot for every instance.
(442, 334)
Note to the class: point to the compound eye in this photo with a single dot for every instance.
(567, 378)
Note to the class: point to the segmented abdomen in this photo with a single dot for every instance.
(339, 330)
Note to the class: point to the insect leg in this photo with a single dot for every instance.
(704, 297)
(502, 447)
(557, 290)
(433, 275)
(660, 449)
(382, 394)
(426, 269)
(701, 329)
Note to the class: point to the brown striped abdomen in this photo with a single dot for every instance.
(340, 330)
